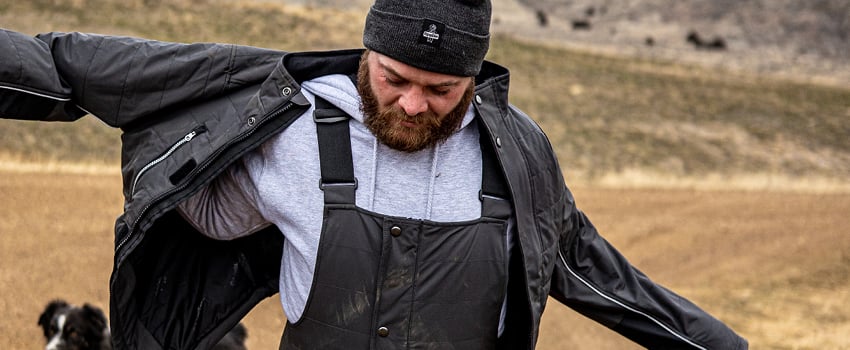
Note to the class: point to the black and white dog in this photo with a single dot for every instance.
(69, 327)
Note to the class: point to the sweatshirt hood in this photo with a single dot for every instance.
(339, 90)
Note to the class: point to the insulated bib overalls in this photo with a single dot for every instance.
(385, 282)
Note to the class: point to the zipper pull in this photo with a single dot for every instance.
(199, 130)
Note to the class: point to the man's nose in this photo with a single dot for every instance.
(413, 102)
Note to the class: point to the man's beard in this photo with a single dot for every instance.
(383, 122)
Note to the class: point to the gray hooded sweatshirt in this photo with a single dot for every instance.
(278, 184)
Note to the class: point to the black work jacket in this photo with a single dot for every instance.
(187, 111)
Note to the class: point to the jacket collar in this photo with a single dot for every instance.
(303, 66)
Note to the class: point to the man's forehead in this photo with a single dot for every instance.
(408, 72)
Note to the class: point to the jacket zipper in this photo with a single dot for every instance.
(120, 259)
(198, 130)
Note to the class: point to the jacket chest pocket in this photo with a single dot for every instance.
(182, 171)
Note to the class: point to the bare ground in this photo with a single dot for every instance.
(774, 265)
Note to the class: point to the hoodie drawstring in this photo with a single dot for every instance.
(374, 174)
(432, 180)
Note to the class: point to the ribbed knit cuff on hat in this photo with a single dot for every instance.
(426, 43)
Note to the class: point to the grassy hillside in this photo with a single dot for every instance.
(607, 117)
(777, 35)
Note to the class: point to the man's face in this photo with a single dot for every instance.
(407, 108)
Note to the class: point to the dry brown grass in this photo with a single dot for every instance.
(774, 265)
(55, 242)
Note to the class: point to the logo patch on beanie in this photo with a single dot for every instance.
(432, 33)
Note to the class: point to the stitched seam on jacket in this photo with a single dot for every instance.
(18, 55)
(228, 71)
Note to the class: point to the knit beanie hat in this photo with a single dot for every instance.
(442, 36)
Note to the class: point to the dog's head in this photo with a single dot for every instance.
(68, 327)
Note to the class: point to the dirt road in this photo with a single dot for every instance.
(775, 266)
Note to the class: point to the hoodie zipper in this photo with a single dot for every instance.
(143, 212)
(186, 139)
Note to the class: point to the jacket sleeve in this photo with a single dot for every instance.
(118, 79)
(594, 279)
(30, 85)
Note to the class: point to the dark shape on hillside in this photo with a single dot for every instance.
(716, 44)
(542, 20)
(581, 24)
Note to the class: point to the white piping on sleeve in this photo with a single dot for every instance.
(598, 292)
(36, 94)
(61, 99)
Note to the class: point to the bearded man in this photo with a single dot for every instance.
(392, 196)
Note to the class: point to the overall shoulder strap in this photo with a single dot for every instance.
(495, 195)
(338, 181)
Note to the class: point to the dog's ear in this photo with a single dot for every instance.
(47, 314)
(95, 315)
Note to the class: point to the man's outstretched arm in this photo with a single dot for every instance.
(120, 80)
(594, 279)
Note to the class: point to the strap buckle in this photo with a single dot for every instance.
(322, 185)
(329, 115)
(482, 196)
